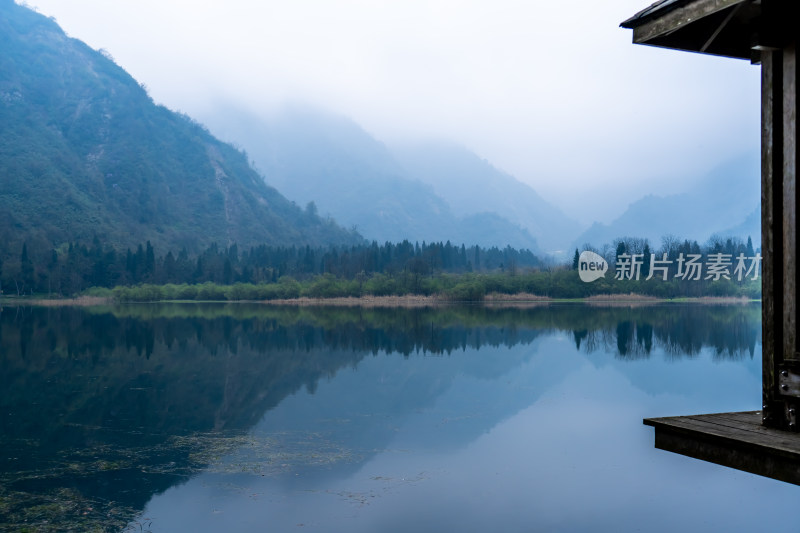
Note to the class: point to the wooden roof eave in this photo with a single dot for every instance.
(717, 27)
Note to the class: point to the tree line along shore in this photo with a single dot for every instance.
(440, 271)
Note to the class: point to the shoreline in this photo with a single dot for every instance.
(78, 301)
(409, 301)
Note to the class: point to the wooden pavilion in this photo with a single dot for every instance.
(764, 32)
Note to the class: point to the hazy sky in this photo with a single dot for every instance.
(552, 92)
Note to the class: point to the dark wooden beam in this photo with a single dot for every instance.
(772, 233)
(678, 18)
(721, 27)
(787, 123)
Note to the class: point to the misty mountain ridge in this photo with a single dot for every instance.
(423, 192)
(84, 152)
(471, 185)
(725, 202)
(438, 191)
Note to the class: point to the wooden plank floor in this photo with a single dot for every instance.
(737, 440)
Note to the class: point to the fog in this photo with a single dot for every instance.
(551, 92)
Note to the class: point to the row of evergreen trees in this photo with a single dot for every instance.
(458, 272)
(76, 267)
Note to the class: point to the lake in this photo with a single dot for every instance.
(245, 418)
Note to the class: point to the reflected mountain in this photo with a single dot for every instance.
(104, 407)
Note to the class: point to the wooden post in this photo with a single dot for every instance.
(781, 353)
(771, 233)
(790, 371)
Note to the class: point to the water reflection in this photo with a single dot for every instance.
(104, 408)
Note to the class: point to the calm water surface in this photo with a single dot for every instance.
(247, 418)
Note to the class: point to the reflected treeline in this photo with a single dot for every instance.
(681, 330)
(229, 328)
(731, 332)
(99, 405)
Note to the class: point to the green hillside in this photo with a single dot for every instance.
(85, 152)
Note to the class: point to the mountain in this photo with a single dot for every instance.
(749, 227)
(471, 185)
(311, 155)
(725, 202)
(85, 152)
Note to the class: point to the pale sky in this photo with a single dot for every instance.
(551, 92)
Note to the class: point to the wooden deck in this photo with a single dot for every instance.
(736, 440)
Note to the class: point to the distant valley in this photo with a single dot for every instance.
(421, 192)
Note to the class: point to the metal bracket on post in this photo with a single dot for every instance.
(791, 416)
(789, 390)
(788, 382)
